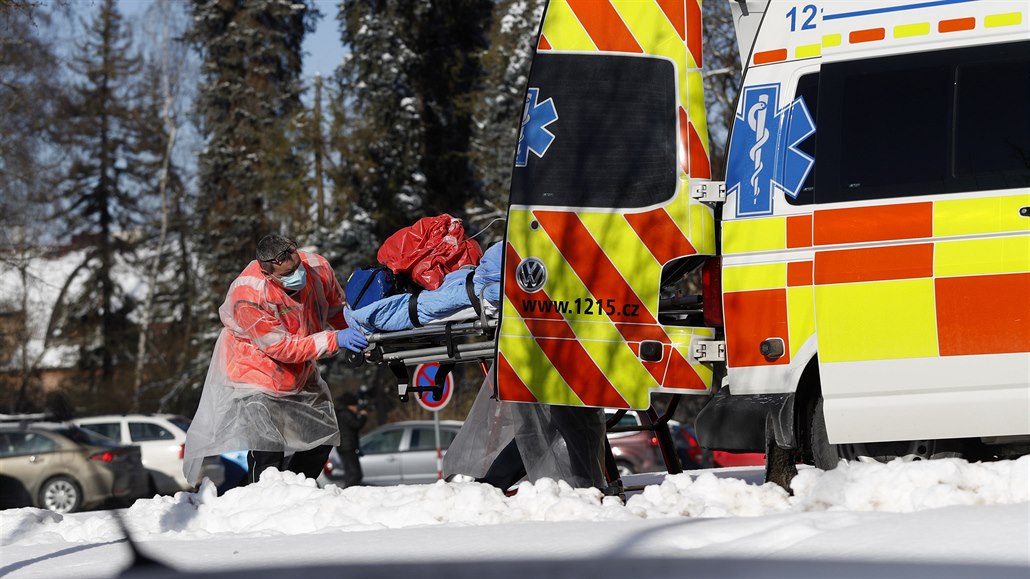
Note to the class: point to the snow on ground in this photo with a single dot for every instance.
(938, 511)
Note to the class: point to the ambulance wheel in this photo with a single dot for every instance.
(827, 456)
(888, 451)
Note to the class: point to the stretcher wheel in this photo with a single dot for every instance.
(354, 359)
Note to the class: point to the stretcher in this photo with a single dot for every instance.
(451, 324)
(466, 337)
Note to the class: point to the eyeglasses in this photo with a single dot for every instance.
(282, 257)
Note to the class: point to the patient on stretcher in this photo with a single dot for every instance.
(454, 299)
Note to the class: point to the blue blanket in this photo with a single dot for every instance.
(391, 314)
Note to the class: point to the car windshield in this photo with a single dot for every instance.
(181, 422)
(83, 436)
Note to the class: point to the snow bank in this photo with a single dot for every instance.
(289, 504)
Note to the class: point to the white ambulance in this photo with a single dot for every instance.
(866, 259)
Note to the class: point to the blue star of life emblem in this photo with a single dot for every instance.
(534, 135)
(764, 153)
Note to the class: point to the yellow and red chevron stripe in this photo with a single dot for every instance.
(593, 258)
(577, 341)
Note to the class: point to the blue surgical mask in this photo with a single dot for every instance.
(295, 280)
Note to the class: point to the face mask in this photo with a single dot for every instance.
(295, 280)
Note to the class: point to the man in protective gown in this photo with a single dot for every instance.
(263, 392)
(502, 442)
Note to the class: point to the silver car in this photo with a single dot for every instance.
(397, 453)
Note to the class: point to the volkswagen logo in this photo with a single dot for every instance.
(531, 275)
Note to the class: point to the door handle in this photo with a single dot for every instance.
(1024, 211)
(35, 458)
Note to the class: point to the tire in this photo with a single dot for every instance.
(827, 456)
(60, 494)
(888, 451)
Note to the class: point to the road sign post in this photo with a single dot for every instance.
(425, 376)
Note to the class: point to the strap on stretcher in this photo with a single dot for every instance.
(470, 289)
(448, 344)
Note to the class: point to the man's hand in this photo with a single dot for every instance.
(351, 339)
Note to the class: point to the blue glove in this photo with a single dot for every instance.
(352, 339)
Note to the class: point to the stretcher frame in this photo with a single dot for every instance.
(448, 343)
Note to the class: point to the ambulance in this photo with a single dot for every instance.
(864, 262)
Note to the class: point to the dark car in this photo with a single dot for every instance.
(64, 468)
(693, 456)
(397, 453)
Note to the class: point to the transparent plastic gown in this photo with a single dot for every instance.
(263, 390)
(557, 442)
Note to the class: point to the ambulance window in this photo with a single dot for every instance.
(590, 142)
(992, 140)
(808, 90)
(892, 132)
(943, 121)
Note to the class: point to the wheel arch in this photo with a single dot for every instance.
(789, 427)
(809, 390)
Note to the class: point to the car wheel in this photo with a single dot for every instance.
(625, 468)
(61, 495)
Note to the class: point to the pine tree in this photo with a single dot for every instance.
(102, 131)
(252, 176)
(167, 357)
(404, 108)
(721, 79)
(499, 105)
(28, 96)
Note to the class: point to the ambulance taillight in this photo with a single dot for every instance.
(711, 291)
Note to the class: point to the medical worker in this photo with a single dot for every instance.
(263, 392)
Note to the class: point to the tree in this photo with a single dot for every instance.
(498, 108)
(404, 108)
(165, 350)
(252, 175)
(721, 74)
(102, 128)
(29, 89)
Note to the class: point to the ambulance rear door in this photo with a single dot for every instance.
(600, 209)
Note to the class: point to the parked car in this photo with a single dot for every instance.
(397, 453)
(162, 440)
(634, 451)
(693, 456)
(64, 468)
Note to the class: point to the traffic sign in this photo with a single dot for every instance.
(425, 376)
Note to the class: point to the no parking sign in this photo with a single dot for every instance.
(425, 376)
